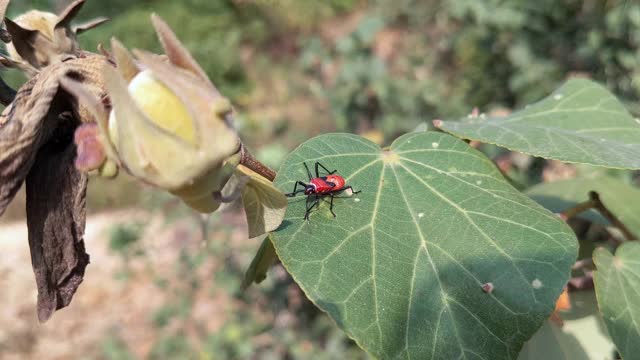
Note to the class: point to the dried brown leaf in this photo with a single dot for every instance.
(36, 145)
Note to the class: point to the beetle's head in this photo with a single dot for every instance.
(310, 189)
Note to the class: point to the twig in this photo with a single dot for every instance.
(594, 202)
(584, 282)
(577, 209)
(583, 264)
(249, 161)
(610, 216)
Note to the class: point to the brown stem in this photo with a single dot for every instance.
(610, 216)
(584, 282)
(249, 161)
(583, 264)
(577, 209)
(594, 202)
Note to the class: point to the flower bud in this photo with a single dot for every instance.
(168, 125)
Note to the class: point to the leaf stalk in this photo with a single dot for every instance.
(595, 203)
(252, 163)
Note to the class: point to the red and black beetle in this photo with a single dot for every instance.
(320, 186)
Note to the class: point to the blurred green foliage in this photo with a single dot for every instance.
(449, 56)
(215, 31)
(124, 236)
(113, 347)
(405, 61)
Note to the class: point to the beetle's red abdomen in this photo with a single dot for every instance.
(337, 180)
(327, 184)
(321, 185)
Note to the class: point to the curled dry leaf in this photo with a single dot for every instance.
(41, 38)
(37, 146)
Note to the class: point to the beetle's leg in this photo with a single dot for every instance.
(308, 171)
(352, 191)
(315, 203)
(331, 205)
(295, 189)
(325, 169)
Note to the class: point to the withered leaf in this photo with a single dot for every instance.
(37, 144)
(29, 44)
(39, 38)
(93, 23)
(56, 220)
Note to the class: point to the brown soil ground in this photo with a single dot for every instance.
(103, 304)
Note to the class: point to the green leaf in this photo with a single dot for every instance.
(582, 337)
(617, 283)
(260, 264)
(581, 122)
(401, 267)
(623, 200)
(550, 342)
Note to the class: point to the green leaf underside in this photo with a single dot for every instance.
(581, 122)
(260, 264)
(617, 283)
(401, 267)
(623, 200)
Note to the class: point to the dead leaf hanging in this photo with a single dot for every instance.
(41, 38)
(36, 145)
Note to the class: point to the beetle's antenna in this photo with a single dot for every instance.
(308, 171)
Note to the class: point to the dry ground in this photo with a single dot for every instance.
(103, 304)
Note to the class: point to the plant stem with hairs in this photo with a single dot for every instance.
(249, 161)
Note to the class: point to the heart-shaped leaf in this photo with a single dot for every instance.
(403, 265)
(617, 281)
(623, 200)
(581, 122)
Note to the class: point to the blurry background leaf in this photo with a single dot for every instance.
(580, 122)
(622, 199)
(617, 282)
(390, 266)
(583, 335)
